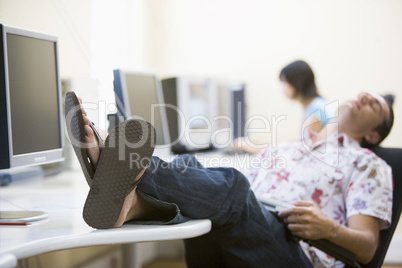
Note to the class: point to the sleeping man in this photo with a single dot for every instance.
(337, 189)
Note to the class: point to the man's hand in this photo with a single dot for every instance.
(360, 236)
(305, 220)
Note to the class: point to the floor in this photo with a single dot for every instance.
(180, 264)
(166, 264)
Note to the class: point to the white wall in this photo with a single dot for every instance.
(95, 37)
(116, 40)
(352, 46)
(68, 20)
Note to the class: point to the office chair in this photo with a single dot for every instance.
(393, 156)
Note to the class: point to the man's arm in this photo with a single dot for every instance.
(360, 237)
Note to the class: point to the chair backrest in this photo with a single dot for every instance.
(393, 156)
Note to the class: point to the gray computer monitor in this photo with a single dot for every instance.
(191, 113)
(31, 130)
(139, 95)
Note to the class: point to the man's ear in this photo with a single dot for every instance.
(372, 138)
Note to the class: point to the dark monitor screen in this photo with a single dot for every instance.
(33, 96)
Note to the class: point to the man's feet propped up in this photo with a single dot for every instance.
(112, 199)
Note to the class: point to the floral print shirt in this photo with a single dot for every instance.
(339, 176)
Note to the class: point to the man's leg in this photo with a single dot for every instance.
(203, 251)
(245, 233)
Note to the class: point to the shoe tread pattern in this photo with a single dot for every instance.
(113, 178)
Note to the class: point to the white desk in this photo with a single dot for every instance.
(63, 196)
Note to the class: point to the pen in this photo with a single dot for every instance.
(14, 223)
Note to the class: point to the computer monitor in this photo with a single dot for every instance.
(232, 113)
(30, 99)
(191, 112)
(31, 132)
(139, 95)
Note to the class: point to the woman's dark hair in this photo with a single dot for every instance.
(301, 77)
(385, 127)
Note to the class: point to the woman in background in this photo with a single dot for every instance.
(299, 85)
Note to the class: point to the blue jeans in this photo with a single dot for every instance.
(244, 233)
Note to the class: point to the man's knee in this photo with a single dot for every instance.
(241, 179)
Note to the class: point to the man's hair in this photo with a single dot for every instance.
(385, 127)
(301, 77)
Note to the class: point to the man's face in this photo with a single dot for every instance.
(361, 115)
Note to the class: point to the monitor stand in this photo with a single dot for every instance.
(12, 175)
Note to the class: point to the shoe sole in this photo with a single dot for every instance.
(127, 151)
(76, 133)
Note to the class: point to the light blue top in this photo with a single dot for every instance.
(320, 109)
